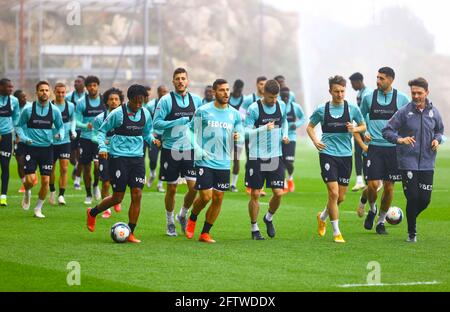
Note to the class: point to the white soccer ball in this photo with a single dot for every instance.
(394, 216)
(120, 232)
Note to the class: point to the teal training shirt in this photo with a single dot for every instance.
(174, 131)
(265, 144)
(69, 127)
(375, 127)
(83, 121)
(40, 137)
(300, 120)
(7, 124)
(249, 100)
(213, 130)
(337, 144)
(151, 107)
(120, 145)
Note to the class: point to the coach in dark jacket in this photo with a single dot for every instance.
(418, 131)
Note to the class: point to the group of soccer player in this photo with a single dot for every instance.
(200, 139)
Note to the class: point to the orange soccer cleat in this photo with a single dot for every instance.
(133, 239)
(90, 221)
(22, 189)
(291, 186)
(118, 208)
(206, 238)
(190, 229)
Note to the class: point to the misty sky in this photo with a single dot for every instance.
(434, 13)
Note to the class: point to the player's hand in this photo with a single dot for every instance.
(236, 136)
(58, 137)
(157, 143)
(103, 155)
(73, 135)
(270, 126)
(367, 138)
(17, 139)
(350, 127)
(286, 141)
(320, 146)
(435, 145)
(90, 126)
(407, 141)
(0, 138)
(365, 148)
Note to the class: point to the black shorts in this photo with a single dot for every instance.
(208, 178)
(6, 146)
(126, 171)
(75, 143)
(382, 164)
(172, 168)
(61, 151)
(271, 171)
(103, 168)
(336, 169)
(289, 151)
(19, 149)
(364, 168)
(38, 156)
(88, 151)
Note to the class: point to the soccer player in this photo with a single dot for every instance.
(112, 98)
(282, 81)
(267, 127)
(73, 97)
(19, 147)
(296, 118)
(335, 150)
(173, 114)
(380, 106)
(132, 125)
(61, 148)
(9, 116)
(36, 128)
(208, 95)
(357, 81)
(216, 127)
(89, 107)
(417, 130)
(236, 100)
(154, 151)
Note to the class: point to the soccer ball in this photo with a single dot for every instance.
(120, 232)
(394, 216)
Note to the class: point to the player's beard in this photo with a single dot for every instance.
(223, 101)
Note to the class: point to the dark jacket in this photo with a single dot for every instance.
(425, 127)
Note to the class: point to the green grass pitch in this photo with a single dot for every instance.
(34, 253)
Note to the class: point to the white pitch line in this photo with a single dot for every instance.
(383, 285)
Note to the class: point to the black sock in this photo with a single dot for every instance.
(363, 200)
(94, 212)
(132, 227)
(96, 181)
(207, 227)
(193, 217)
(52, 188)
(62, 191)
(88, 191)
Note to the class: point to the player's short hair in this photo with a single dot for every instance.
(238, 84)
(272, 87)
(17, 93)
(179, 70)
(387, 71)
(279, 77)
(91, 79)
(135, 91)
(40, 83)
(218, 83)
(356, 77)
(337, 80)
(285, 89)
(81, 77)
(419, 82)
(148, 88)
(4, 81)
(108, 93)
(261, 78)
(60, 85)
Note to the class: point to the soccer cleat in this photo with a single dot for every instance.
(322, 226)
(77, 186)
(358, 187)
(3, 202)
(22, 189)
(182, 221)
(270, 227)
(257, 236)
(190, 229)
(88, 200)
(26, 200)
(248, 190)
(171, 231)
(233, 189)
(339, 239)
(161, 189)
(412, 239)
(133, 239)
(368, 223)
(90, 221)
(291, 186)
(206, 238)
(38, 215)
(381, 229)
(118, 208)
(150, 181)
(97, 193)
(52, 198)
(61, 200)
(106, 214)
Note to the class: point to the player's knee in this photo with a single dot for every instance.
(333, 195)
(205, 197)
(255, 194)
